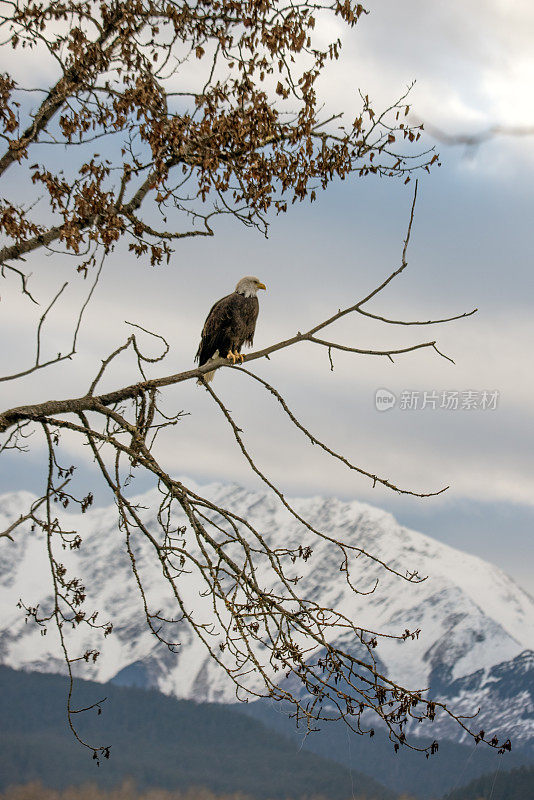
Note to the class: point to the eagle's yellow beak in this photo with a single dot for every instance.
(262, 286)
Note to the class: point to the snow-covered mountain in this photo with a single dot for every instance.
(477, 626)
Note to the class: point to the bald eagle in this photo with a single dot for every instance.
(230, 324)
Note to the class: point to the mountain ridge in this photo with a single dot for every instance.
(477, 624)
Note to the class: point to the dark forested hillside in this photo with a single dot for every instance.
(160, 742)
(516, 784)
(406, 771)
(157, 741)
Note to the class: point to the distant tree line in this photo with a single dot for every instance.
(126, 791)
(514, 784)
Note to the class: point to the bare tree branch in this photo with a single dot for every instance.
(38, 365)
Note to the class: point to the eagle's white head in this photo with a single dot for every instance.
(249, 285)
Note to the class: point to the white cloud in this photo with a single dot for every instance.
(472, 62)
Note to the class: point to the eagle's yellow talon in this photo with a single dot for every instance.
(234, 357)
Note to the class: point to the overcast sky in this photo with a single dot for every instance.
(472, 246)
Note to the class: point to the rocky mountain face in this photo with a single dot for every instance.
(476, 643)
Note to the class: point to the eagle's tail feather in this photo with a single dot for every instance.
(208, 377)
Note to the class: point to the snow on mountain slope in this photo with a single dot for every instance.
(476, 623)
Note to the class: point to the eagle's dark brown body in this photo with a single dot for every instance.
(229, 325)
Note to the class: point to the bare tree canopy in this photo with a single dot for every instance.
(198, 110)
